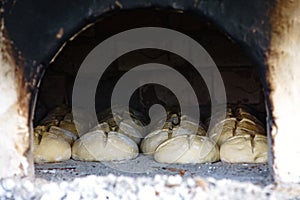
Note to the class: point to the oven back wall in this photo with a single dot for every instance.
(240, 75)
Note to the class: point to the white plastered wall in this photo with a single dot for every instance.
(14, 130)
(284, 79)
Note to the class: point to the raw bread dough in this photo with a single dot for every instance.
(232, 126)
(223, 130)
(68, 117)
(187, 149)
(97, 146)
(154, 139)
(70, 126)
(187, 126)
(54, 116)
(248, 122)
(63, 133)
(245, 149)
(186, 122)
(122, 122)
(124, 127)
(40, 129)
(127, 128)
(51, 148)
(248, 126)
(53, 122)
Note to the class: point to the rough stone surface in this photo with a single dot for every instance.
(145, 166)
(157, 187)
(144, 178)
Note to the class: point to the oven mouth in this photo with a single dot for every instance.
(254, 45)
(242, 83)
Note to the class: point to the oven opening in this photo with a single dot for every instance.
(245, 122)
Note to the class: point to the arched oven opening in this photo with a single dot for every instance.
(243, 86)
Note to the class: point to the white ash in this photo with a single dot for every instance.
(158, 187)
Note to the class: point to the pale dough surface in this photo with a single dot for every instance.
(223, 130)
(63, 133)
(128, 129)
(154, 139)
(245, 149)
(51, 148)
(187, 126)
(187, 149)
(70, 126)
(95, 146)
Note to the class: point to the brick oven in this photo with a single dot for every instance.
(255, 45)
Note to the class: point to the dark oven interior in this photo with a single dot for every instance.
(240, 75)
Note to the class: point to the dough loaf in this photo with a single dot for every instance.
(97, 146)
(245, 149)
(187, 149)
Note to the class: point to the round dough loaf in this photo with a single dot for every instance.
(248, 126)
(187, 149)
(54, 116)
(97, 146)
(40, 129)
(68, 117)
(51, 148)
(127, 128)
(70, 126)
(186, 122)
(154, 139)
(187, 126)
(223, 130)
(244, 112)
(248, 123)
(245, 149)
(63, 133)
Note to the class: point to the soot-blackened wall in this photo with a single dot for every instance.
(33, 32)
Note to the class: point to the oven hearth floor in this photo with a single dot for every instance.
(145, 166)
(117, 180)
